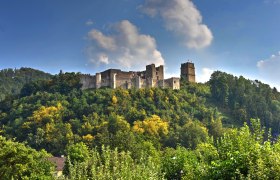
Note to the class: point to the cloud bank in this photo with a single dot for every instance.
(182, 18)
(270, 69)
(123, 47)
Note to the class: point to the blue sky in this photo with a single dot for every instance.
(235, 36)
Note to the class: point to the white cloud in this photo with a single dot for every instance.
(183, 19)
(89, 22)
(270, 70)
(260, 64)
(124, 47)
(103, 58)
(205, 75)
(104, 42)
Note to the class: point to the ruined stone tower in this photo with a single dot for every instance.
(188, 72)
(154, 76)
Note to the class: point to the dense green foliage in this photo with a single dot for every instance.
(239, 154)
(20, 162)
(53, 119)
(153, 132)
(110, 164)
(12, 80)
(244, 99)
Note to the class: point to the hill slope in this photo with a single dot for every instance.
(178, 132)
(12, 80)
(243, 99)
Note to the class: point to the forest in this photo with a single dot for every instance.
(12, 80)
(226, 128)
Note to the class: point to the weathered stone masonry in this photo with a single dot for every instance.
(152, 77)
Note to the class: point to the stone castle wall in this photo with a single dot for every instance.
(88, 81)
(173, 83)
(152, 77)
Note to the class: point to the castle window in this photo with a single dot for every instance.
(156, 73)
(174, 82)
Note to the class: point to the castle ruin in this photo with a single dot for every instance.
(152, 77)
(188, 72)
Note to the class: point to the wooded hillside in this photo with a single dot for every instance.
(195, 132)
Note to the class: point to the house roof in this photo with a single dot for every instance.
(58, 161)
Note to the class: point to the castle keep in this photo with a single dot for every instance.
(188, 72)
(152, 77)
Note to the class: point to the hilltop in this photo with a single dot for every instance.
(55, 114)
(12, 80)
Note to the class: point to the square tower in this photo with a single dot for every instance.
(154, 76)
(151, 71)
(188, 72)
(150, 75)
